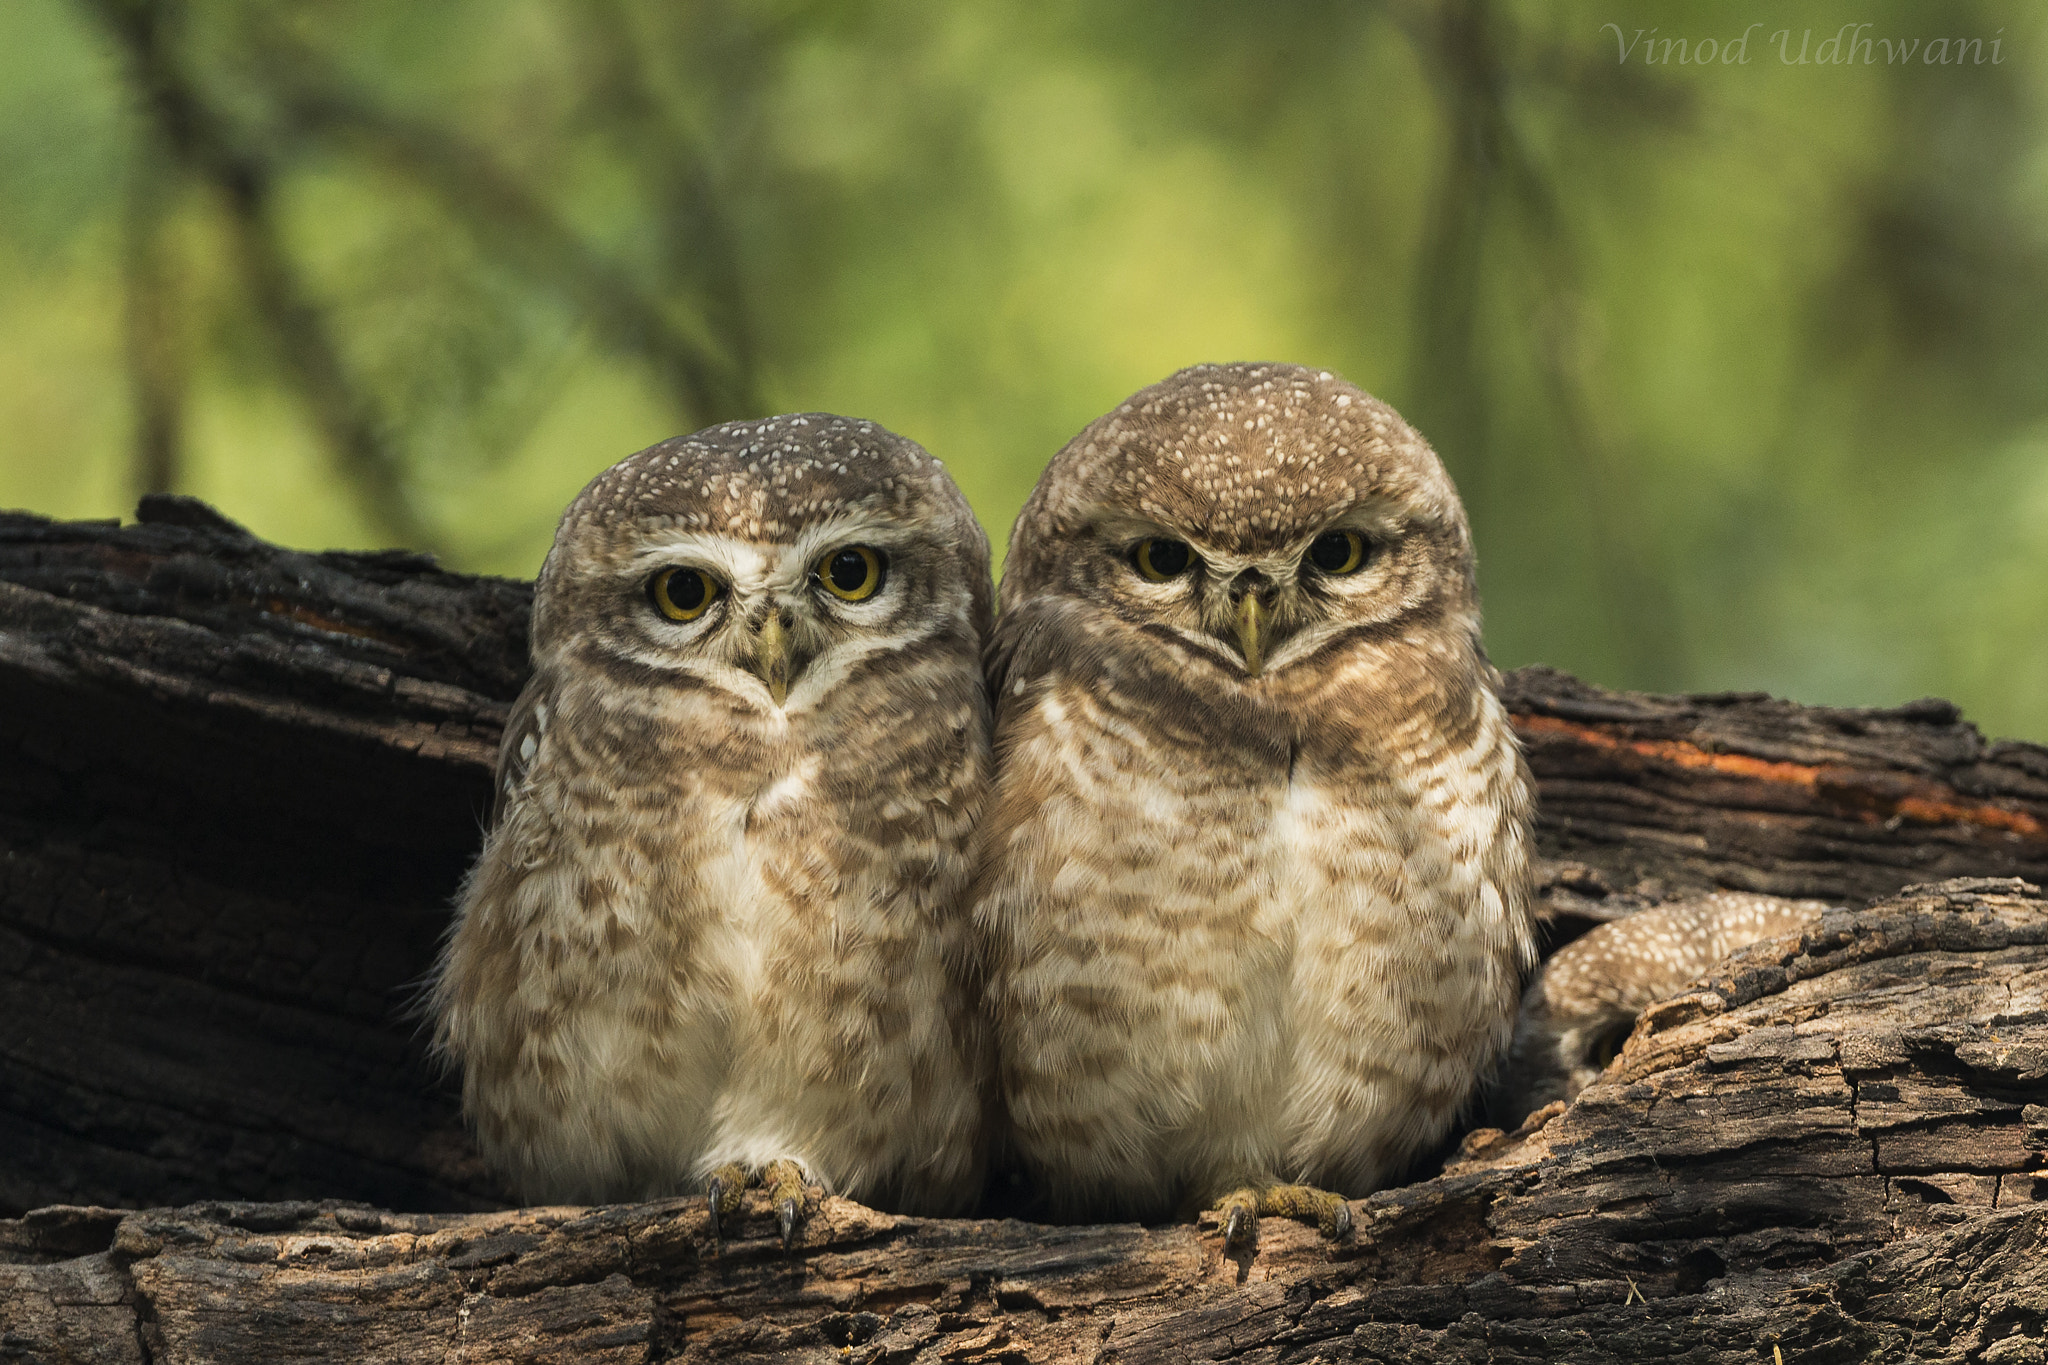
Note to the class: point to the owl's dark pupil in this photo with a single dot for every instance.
(848, 570)
(1331, 553)
(686, 589)
(1168, 557)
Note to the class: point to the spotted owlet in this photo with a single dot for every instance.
(1254, 884)
(1581, 1008)
(717, 932)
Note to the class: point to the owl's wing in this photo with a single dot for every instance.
(1017, 650)
(996, 654)
(524, 729)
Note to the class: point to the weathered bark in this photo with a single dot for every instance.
(1743, 791)
(238, 787)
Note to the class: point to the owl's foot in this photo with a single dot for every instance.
(784, 1181)
(1240, 1210)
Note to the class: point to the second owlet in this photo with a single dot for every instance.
(1583, 1004)
(716, 933)
(1255, 878)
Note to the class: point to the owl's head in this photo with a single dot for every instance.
(1252, 515)
(765, 558)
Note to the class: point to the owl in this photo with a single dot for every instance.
(717, 932)
(1253, 886)
(1579, 1011)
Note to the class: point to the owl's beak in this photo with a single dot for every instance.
(1253, 625)
(771, 656)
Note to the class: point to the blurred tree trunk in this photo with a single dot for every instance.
(242, 783)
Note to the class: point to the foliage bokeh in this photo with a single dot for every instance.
(1741, 366)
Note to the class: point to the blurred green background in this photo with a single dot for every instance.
(1741, 364)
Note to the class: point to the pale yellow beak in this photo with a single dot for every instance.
(1251, 633)
(771, 657)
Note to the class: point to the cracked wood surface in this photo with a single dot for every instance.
(1835, 1144)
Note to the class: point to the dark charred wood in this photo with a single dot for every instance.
(239, 786)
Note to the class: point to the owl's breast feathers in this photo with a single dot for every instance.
(698, 934)
(1245, 931)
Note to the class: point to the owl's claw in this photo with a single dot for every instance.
(1240, 1210)
(785, 1219)
(785, 1182)
(723, 1194)
(1305, 1203)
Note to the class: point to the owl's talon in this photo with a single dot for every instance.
(1240, 1210)
(1307, 1204)
(785, 1219)
(723, 1194)
(785, 1182)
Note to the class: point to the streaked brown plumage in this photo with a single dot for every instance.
(1577, 1013)
(717, 923)
(1254, 883)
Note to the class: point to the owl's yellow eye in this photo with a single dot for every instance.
(853, 574)
(1338, 552)
(683, 594)
(1160, 559)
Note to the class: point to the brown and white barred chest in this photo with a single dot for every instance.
(1244, 943)
(702, 934)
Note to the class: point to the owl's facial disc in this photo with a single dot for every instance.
(715, 606)
(1250, 603)
(1256, 609)
(847, 573)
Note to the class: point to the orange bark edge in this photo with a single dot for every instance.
(1876, 796)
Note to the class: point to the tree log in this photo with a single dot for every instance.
(241, 785)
